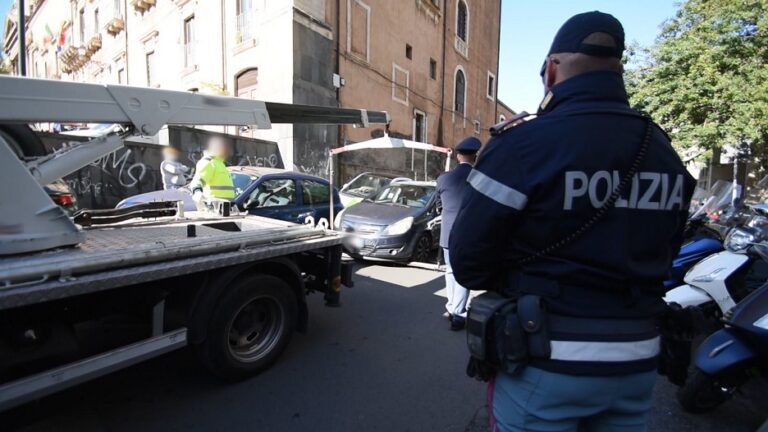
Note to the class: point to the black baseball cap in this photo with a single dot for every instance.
(570, 37)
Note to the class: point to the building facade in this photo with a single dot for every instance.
(432, 64)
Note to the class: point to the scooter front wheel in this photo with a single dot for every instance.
(703, 393)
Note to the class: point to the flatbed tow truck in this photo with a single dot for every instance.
(78, 301)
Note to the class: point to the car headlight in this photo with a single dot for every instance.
(337, 220)
(738, 240)
(400, 227)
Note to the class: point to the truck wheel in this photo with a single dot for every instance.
(23, 140)
(702, 393)
(250, 327)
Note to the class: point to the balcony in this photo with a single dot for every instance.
(93, 45)
(461, 46)
(245, 27)
(142, 6)
(115, 25)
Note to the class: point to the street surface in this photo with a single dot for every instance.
(384, 361)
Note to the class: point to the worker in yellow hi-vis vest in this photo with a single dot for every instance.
(212, 179)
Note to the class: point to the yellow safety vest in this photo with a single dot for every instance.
(215, 178)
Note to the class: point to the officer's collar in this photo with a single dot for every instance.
(600, 86)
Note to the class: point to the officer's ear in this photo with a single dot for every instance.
(550, 73)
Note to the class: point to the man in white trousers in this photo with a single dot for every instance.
(450, 187)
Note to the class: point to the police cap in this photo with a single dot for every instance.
(570, 37)
(469, 145)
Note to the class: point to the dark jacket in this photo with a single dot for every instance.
(450, 188)
(540, 181)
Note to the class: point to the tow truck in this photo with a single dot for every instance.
(85, 296)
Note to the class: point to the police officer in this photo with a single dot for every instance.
(531, 196)
(450, 187)
(212, 179)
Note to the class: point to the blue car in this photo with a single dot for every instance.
(268, 192)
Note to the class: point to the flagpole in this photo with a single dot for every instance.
(22, 40)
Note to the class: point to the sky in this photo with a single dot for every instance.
(528, 27)
(5, 6)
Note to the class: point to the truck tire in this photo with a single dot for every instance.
(23, 140)
(702, 393)
(249, 328)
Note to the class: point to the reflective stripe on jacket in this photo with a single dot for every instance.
(214, 179)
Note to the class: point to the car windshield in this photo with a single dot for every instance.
(405, 195)
(241, 182)
(366, 185)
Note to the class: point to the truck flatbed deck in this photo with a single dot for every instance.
(120, 255)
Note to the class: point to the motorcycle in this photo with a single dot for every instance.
(722, 279)
(731, 356)
(704, 232)
(712, 288)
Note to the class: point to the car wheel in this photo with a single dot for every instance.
(423, 249)
(249, 328)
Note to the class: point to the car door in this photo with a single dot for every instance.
(274, 197)
(316, 198)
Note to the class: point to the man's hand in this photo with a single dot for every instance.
(198, 198)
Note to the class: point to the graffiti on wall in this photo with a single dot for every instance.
(135, 168)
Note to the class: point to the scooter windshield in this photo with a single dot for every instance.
(719, 199)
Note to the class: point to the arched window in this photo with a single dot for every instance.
(461, 21)
(245, 83)
(460, 86)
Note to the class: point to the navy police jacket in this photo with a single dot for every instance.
(450, 188)
(536, 183)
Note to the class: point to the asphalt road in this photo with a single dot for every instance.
(385, 361)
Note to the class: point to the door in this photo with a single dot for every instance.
(274, 198)
(315, 199)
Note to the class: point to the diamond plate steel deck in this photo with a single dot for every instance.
(117, 257)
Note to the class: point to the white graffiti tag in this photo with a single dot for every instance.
(128, 174)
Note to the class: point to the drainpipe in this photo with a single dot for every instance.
(337, 71)
(22, 29)
(127, 62)
(442, 78)
(498, 55)
(223, 47)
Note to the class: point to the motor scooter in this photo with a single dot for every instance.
(721, 280)
(704, 232)
(731, 356)
(712, 288)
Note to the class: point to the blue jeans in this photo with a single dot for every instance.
(536, 400)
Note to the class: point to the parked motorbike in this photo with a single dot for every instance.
(705, 231)
(722, 279)
(712, 288)
(731, 356)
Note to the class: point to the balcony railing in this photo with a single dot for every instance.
(244, 28)
(189, 55)
(115, 25)
(461, 46)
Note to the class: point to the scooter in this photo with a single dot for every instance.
(731, 356)
(713, 287)
(719, 281)
(704, 233)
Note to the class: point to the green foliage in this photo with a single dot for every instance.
(706, 78)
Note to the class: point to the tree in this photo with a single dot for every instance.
(706, 78)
